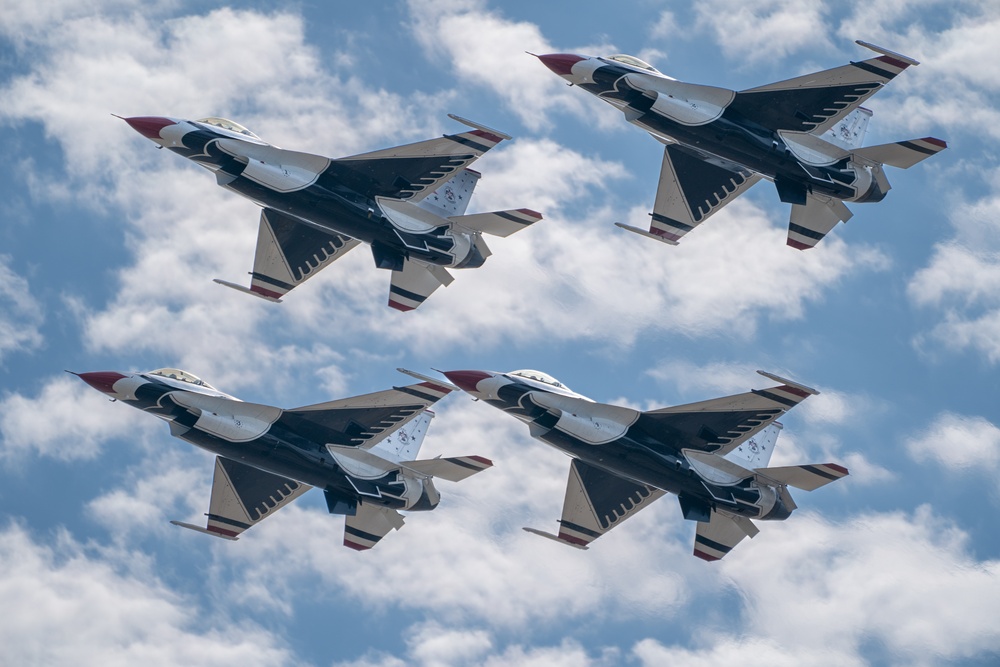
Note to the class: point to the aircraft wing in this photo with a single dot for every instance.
(412, 171)
(720, 425)
(243, 496)
(370, 524)
(692, 187)
(597, 501)
(717, 537)
(816, 102)
(289, 252)
(362, 421)
(411, 286)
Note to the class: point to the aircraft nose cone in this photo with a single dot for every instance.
(561, 63)
(466, 380)
(149, 126)
(102, 380)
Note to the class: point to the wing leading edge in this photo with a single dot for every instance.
(693, 186)
(816, 102)
(720, 425)
(596, 501)
(243, 496)
(414, 171)
(290, 252)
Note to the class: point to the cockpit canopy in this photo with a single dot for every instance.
(633, 62)
(183, 376)
(539, 376)
(227, 124)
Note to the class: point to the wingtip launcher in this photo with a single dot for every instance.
(790, 383)
(554, 538)
(199, 529)
(643, 232)
(476, 126)
(886, 52)
(241, 288)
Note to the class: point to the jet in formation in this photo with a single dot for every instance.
(407, 203)
(360, 451)
(804, 134)
(713, 455)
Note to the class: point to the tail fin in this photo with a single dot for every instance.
(903, 154)
(756, 451)
(850, 131)
(404, 443)
(452, 197)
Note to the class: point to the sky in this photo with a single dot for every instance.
(108, 248)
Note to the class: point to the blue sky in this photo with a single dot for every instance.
(108, 248)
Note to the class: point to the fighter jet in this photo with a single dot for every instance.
(712, 454)
(360, 451)
(408, 203)
(804, 134)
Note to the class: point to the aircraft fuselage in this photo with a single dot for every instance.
(730, 137)
(313, 192)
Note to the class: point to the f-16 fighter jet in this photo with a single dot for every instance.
(360, 451)
(408, 203)
(805, 134)
(712, 454)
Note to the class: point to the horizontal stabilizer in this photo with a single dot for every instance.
(805, 477)
(498, 223)
(903, 154)
(809, 224)
(411, 286)
(453, 469)
(717, 537)
(369, 525)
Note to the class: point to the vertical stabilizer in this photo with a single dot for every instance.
(404, 443)
(850, 132)
(756, 451)
(452, 197)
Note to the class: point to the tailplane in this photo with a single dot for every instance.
(902, 154)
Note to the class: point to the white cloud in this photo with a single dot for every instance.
(962, 282)
(959, 443)
(66, 420)
(487, 49)
(68, 606)
(820, 593)
(769, 29)
(20, 314)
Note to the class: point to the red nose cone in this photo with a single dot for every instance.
(467, 380)
(102, 380)
(149, 126)
(561, 63)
